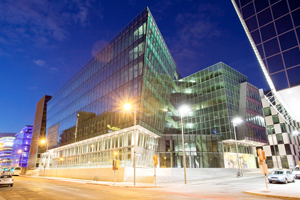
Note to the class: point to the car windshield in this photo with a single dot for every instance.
(6, 176)
(278, 172)
(296, 169)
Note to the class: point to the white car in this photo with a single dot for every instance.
(16, 171)
(281, 176)
(296, 171)
(6, 179)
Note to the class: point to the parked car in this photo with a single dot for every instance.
(6, 179)
(15, 171)
(296, 171)
(281, 176)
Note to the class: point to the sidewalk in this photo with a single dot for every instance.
(286, 191)
(106, 183)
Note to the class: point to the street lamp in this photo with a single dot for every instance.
(21, 152)
(44, 142)
(183, 110)
(127, 107)
(236, 121)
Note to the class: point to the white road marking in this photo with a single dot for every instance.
(73, 189)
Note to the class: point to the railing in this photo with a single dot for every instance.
(91, 165)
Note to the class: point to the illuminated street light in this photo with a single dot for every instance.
(20, 151)
(183, 110)
(127, 107)
(61, 159)
(236, 121)
(44, 142)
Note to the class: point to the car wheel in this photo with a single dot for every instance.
(286, 181)
(294, 180)
(270, 181)
(11, 185)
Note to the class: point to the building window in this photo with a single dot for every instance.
(274, 150)
(267, 111)
(288, 149)
(279, 138)
(275, 119)
(271, 130)
(269, 162)
(284, 162)
(283, 128)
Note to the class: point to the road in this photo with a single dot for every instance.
(215, 189)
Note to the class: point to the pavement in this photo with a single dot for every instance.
(278, 190)
(283, 191)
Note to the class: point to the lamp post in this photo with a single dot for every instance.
(43, 141)
(21, 152)
(182, 111)
(235, 122)
(128, 107)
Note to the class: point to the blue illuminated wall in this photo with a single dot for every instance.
(22, 142)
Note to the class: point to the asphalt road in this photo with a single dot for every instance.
(214, 189)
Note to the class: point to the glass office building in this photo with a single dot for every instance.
(215, 95)
(87, 125)
(21, 147)
(273, 28)
(6, 141)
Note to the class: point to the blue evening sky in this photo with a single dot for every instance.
(43, 43)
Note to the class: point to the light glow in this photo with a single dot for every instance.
(184, 109)
(236, 121)
(127, 106)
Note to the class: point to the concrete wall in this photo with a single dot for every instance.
(104, 174)
(144, 175)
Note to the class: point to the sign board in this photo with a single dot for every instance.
(263, 169)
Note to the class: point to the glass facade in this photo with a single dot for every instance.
(7, 141)
(100, 151)
(215, 98)
(134, 66)
(86, 122)
(21, 143)
(275, 29)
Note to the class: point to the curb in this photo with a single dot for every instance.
(271, 195)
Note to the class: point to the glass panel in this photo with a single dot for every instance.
(256, 37)
(271, 47)
(261, 4)
(296, 17)
(279, 9)
(244, 2)
(275, 119)
(288, 40)
(283, 24)
(264, 17)
(251, 23)
(267, 111)
(279, 138)
(294, 4)
(268, 31)
(275, 64)
(248, 11)
(293, 75)
(280, 80)
(292, 57)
